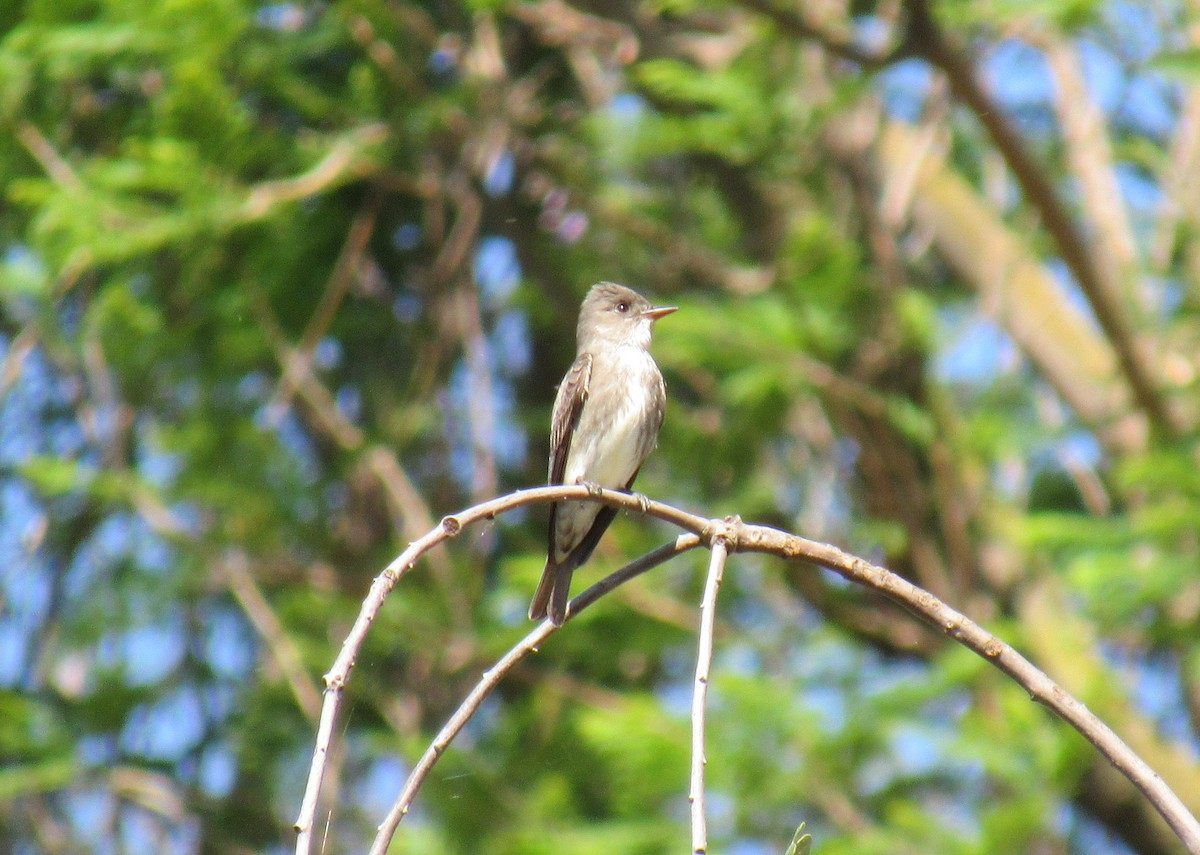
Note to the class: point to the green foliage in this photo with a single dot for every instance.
(248, 279)
(720, 113)
(1183, 64)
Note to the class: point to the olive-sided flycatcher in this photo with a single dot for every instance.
(606, 419)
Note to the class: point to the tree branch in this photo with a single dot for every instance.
(56, 166)
(926, 39)
(742, 537)
(708, 614)
(346, 160)
(281, 646)
(493, 676)
(297, 363)
(339, 674)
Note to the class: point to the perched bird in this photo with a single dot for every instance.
(607, 414)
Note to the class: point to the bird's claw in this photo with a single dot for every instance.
(593, 488)
(643, 502)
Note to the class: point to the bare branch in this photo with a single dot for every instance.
(493, 676)
(742, 537)
(708, 613)
(1040, 686)
(339, 674)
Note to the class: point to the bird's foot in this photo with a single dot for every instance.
(643, 502)
(593, 488)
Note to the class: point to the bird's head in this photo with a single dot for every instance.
(615, 314)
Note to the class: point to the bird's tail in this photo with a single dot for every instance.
(550, 598)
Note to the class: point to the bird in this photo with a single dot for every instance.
(607, 413)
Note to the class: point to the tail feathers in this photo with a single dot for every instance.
(550, 598)
(558, 597)
(555, 585)
(541, 597)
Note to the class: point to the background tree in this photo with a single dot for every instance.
(282, 284)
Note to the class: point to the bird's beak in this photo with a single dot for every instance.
(657, 312)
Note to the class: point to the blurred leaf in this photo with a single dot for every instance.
(1183, 64)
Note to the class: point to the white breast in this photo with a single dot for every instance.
(608, 451)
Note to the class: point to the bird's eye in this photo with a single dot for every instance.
(622, 307)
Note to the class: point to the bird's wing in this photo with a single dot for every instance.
(568, 406)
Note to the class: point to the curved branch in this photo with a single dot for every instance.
(345, 160)
(339, 674)
(742, 537)
(1039, 685)
(493, 676)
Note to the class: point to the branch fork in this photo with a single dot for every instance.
(721, 537)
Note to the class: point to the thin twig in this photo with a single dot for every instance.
(493, 676)
(56, 166)
(327, 416)
(708, 613)
(297, 363)
(755, 538)
(281, 646)
(345, 160)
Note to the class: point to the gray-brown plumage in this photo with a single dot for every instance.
(606, 418)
